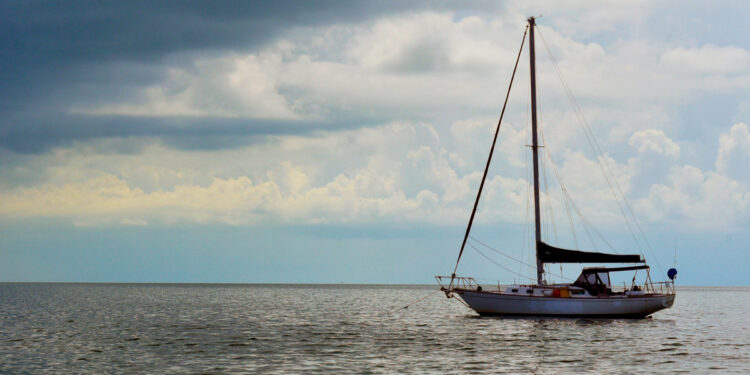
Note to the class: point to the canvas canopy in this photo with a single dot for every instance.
(596, 279)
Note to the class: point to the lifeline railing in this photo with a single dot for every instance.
(662, 287)
(458, 282)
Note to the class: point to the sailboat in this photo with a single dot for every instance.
(591, 294)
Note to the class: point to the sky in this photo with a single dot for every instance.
(333, 141)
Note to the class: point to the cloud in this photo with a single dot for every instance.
(110, 197)
(431, 42)
(50, 38)
(733, 158)
(707, 200)
(697, 199)
(397, 172)
(133, 222)
(57, 57)
(228, 87)
(380, 73)
(365, 197)
(344, 68)
(40, 134)
(654, 141)
(359, 117)
(405, 66)
(577, 18)
(707, 59)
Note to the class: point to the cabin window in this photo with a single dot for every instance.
(514, 290)
(576, 291)
(529, 291)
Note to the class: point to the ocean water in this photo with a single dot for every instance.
(275, 329)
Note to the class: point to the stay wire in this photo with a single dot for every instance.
(587, 223)
(564, 191)
(589, 135)
(496, 263)
(499, 252)
(489, 158)
(569, 200)
(512, 258)
(548, 197)
(604, 161)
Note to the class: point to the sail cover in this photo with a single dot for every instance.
(551, 254)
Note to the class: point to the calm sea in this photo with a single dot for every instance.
(273, 329)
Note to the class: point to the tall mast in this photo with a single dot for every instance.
(534, 149)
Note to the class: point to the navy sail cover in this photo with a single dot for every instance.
(551, 254)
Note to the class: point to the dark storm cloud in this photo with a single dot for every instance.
(35, 32)
(55, 54)
(39, 133)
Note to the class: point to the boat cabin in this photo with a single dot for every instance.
(596, 280)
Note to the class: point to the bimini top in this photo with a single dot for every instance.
(614, 269)
(551, 254)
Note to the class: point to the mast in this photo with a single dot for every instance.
(534, 149)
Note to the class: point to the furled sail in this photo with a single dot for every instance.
(551, 254)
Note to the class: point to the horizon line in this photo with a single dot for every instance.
(279, 284)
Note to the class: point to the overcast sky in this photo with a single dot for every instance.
(344, 141)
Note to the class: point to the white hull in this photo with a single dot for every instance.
(490, 303)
